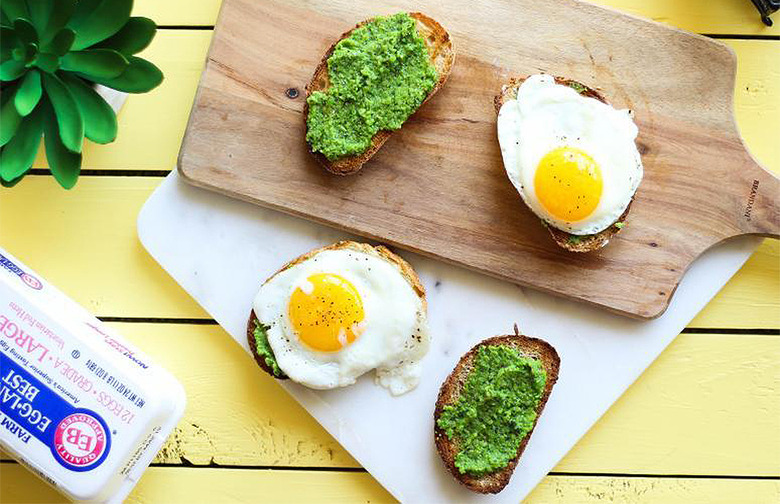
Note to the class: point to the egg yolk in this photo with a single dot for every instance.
(326, 312)
(568, 183)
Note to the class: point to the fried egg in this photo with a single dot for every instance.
(572, 158)
(342, 312)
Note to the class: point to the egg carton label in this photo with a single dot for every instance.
(79, 405)
(79, 439)
(30, 280)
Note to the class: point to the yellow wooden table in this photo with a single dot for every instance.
(702, 425)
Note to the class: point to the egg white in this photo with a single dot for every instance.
(545, 116)
(394, 337)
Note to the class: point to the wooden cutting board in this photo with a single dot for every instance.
(438, 186)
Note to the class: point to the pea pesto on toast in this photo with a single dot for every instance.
(488, 407)
(369, 83)
(261, 349)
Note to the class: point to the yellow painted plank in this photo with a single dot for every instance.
(726, 17)
(179, 12)
(151, 125)
(757, 97)
(84, 241)
(751, 299)
(688, 414)
(174, 485)
(710, 404)
(98, 260)
(703, 16)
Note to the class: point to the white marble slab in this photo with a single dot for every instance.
(220, 250)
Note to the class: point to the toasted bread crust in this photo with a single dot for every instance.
(568, 241)
(442, 56)
(379, 251)
(451, 389)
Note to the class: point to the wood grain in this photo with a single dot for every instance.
(151, 125)
(176, 485)
(431, 192)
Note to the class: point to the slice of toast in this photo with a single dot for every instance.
(451, 389)
(571, 242)
(378, 251)
(442, 56)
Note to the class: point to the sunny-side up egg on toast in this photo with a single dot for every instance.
(337, 312)
(572, 157)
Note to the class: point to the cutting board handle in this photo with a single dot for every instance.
(757, 202)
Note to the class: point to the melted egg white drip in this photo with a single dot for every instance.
(393, 335)
(546, 116)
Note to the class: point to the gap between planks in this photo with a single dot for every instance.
(205, 321)
(362, 470)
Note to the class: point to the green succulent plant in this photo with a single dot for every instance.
(53, 54)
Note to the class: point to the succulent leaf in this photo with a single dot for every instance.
(96, 20)
(9, 119)
(8, 42)
(100, 124)
(11, 70)
(25, 31)
(48, 62)
(18, 155)
(29, 93)
(64, 164)
(71, 124)
(14, 9)
(53, 52)
(98, 63)
(29, 54)
(61, 42)
(61, 12)
(11, 183)
(139, 77)
(133, 38)
(39, 13)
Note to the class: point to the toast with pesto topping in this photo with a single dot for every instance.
(533, 354)
(441, 56)
(255, 329)
(568, 241)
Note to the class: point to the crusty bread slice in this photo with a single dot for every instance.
(442, 56)
(451, 389)
(378, 251)
(571, 242)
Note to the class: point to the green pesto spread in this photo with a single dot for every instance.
(495, 410)
(379, 76)
(264, 349)
(577, 87)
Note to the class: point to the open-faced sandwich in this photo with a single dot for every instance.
(369, 82)
(489, 405)
(337, 312)
(572, 157)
